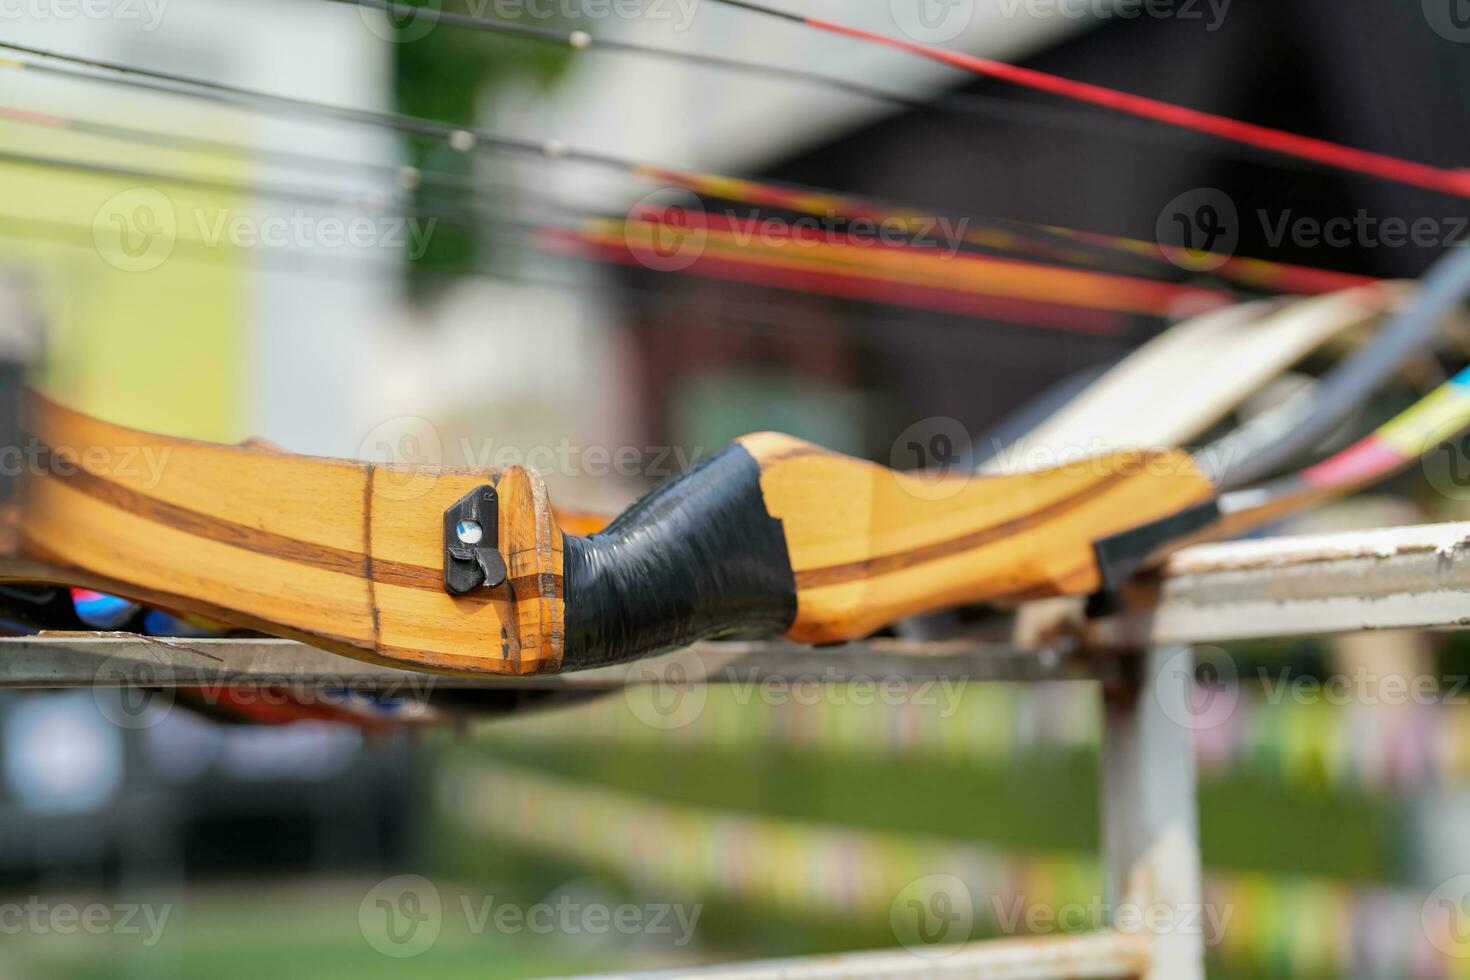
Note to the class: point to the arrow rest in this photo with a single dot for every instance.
(472, 543)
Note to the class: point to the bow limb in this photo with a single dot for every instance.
(886, 545)
(344, 555)
(775, 534)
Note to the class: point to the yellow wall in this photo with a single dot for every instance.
(150, 335)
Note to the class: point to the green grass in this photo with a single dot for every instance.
(1049, 803)
(250, 930)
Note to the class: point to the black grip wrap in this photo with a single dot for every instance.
(696, 558)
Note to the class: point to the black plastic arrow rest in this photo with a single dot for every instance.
(472, 543)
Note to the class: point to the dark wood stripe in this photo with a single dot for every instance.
(403, 575)
(168, 600)
(814, 578)
(417, 577)
(325, 557)
(367, 553)
(389, 572)
(213, 528)
(543, 585)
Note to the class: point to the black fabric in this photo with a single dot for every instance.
(698, 557)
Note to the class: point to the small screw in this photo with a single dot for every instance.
(462, 140)
(579, 39)
(469, 532)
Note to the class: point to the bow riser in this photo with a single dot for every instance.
(344, 555)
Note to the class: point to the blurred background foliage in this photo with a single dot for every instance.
(451, 75)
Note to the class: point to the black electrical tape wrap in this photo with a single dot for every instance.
(696, 558)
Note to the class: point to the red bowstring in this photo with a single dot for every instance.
(1455, 182)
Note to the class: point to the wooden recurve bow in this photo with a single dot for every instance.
(769, 534)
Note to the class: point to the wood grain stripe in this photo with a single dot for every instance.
(162, 600)
(367, 556)
(813, 578)
(214, 528)
(325, 557)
